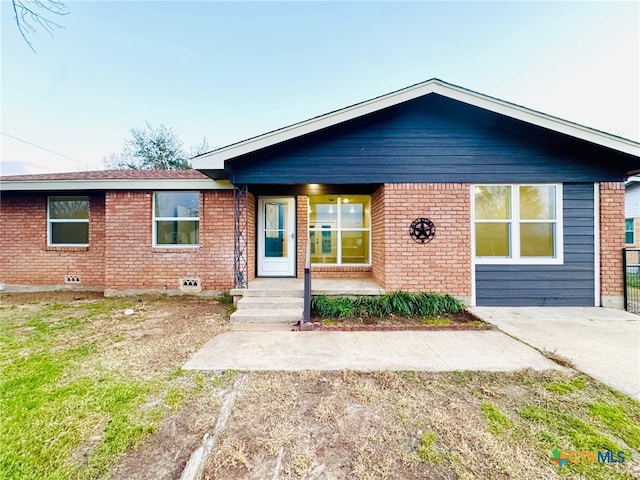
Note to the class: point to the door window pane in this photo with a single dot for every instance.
(275, 244)
(492, 240)
(276, 241)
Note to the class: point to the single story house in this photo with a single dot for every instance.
(430, 188)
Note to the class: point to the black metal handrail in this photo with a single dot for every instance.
(631, 271)
(306, 315)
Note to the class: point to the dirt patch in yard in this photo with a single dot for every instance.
(142, 334)
(164, 454)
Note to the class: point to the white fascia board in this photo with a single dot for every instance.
(542, 120)
(147, 184)
(631, 180)
(216, 159)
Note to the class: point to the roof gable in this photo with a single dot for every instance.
(215, 160)
(430, 139)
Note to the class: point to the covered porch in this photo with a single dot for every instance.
(275, 234)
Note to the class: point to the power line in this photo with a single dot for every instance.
(46, 149)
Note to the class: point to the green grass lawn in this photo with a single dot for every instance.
(65, 411)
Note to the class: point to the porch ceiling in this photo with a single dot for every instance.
(314, 189)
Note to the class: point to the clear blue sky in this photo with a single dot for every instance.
(228, 71)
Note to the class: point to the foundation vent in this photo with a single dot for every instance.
(72, 279)
(190, 285)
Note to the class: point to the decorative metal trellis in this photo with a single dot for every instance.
(240, 236)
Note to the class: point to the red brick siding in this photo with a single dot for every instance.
(611, 238)
(444, 264)
(25, 258)
(321, 271)
(302, 225)
(378, 216)
(132, 261)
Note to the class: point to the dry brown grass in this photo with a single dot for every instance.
(404, 425)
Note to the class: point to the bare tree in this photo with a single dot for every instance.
(32, 14)
(157, 148)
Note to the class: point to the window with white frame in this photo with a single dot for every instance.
(68, 221)
(517, 223)
(628, 231)
(176, 219)
(340, 229)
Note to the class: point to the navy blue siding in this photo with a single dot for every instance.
(430, 139)
(571, 284)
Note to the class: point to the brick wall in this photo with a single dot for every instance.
(134, 264)
(378, 256)
(341, 272)
(442, 265)
(611, 242)
(25, 258)
(302, 222)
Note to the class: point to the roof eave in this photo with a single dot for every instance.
(105, 185)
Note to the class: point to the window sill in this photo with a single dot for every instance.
(67, 248)
(341, 265)
(519, 261)
(176, 248)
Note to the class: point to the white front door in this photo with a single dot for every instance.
(276, 237)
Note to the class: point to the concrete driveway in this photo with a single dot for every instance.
(603, 343)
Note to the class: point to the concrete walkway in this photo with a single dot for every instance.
(367, 351)
(603, 343)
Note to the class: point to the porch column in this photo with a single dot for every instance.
(240, 236)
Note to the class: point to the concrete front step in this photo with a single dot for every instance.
(276, 315)
(270, 303)
(263, 327)
(268, 292)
